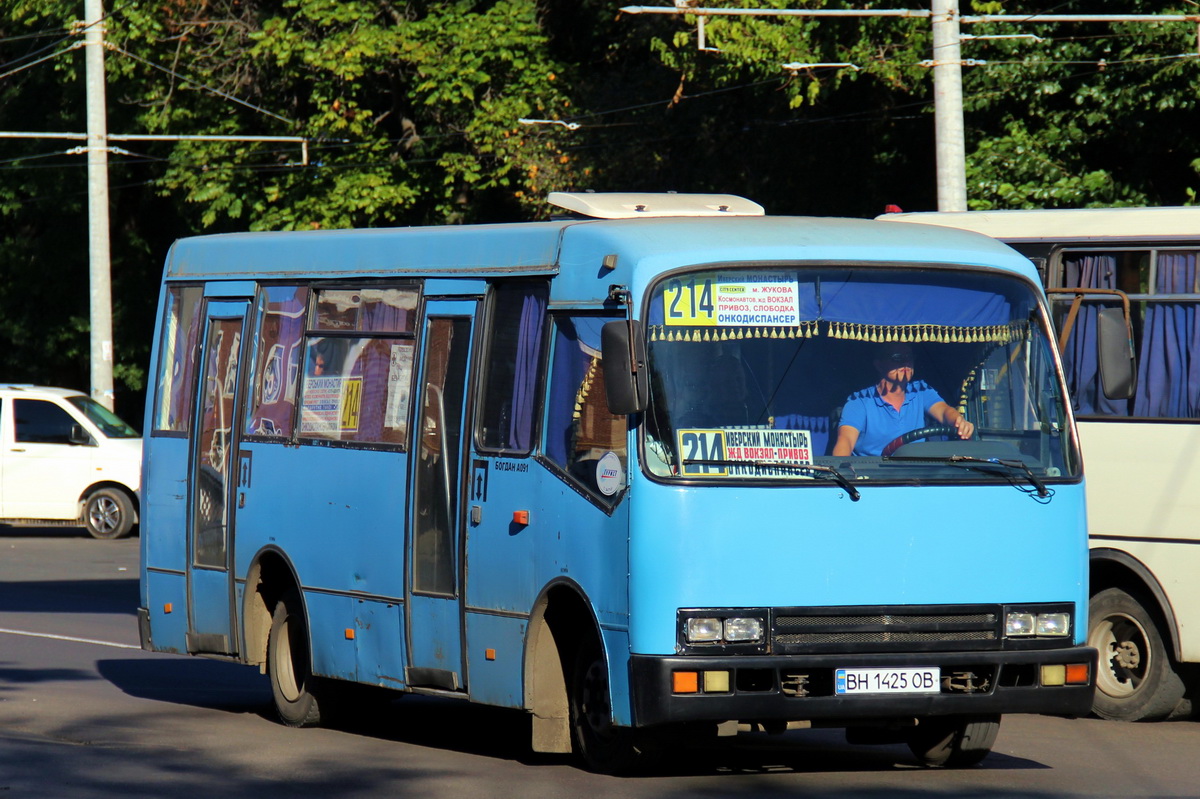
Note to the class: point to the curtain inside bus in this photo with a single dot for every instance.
(1169, 356)
(1089, 271)
(1168, 381)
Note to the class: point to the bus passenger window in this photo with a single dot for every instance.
(357, 389)
(177, 356)
(358, 361)
(581, 435)
(506, 415)
(272, 405)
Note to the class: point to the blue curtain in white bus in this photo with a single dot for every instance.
(1089, 271)
(1169, 356)
(529, 340)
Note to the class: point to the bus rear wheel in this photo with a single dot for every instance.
(1135, 680)
(953, 741)
(289, 666)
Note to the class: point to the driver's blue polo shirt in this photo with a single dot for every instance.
(878, 423)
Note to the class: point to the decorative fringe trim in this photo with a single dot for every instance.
(944, 334)
(585, 388)
(807, 329)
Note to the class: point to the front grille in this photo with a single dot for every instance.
(796, 630)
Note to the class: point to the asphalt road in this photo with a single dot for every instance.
(85, 713)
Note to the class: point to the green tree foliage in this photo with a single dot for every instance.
(1094, 114)
(410, 110)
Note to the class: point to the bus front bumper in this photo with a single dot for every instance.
(804, 687)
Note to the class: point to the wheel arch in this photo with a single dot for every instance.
(1113, 568)
(561, 621)
(270, 576)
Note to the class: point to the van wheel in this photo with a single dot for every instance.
(953, 741)
(602, 746)
(289, 666)
(108, 513)
(1135, 680)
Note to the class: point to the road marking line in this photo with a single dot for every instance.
(28, 634)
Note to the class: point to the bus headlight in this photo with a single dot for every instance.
(1019, 624)
(704, 630)
(1054, 624)
(743, 630)
(1046, 621)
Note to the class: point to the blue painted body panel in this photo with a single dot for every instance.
(304, 499)
(497, 681)
(728, 546)
(170, 628)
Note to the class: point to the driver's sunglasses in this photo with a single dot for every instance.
(899, 357)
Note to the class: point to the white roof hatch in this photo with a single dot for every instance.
(633, 205)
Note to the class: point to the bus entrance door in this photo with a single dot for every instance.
(434, 594)
(210, 589)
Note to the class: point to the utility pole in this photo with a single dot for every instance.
(99, 263)
(950, 139)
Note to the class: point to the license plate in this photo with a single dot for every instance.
(923, 680)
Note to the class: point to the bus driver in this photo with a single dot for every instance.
(877, 415)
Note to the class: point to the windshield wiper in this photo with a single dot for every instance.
(833, 473)
(1009, 466)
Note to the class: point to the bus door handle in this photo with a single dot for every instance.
(476, 515)
(241, 499)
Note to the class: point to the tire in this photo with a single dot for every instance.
(108, 514)
(600, 745)
(1135, 680)
(289, 666)
(953, 741)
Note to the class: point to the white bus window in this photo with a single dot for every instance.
(272, 405)
(582, 437)
(1164, 291)
(177, 356)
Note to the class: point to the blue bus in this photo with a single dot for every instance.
(631, 470)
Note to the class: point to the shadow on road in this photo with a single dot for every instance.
(504, 734)
(197, 682)
(70, 596)
(42, 532)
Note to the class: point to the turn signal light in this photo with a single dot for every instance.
(1078, 674)
(685, 682)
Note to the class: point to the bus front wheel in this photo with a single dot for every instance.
(953, 741)
(289, 667)
(601, 745)
(1135, 680)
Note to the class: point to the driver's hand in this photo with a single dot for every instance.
(965, 428)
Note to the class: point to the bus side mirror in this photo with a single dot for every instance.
(626, 383)
(1117, 373)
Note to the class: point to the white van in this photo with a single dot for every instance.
(66, 460)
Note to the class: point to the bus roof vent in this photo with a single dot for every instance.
(631, 205)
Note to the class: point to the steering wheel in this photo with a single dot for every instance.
(919, 433)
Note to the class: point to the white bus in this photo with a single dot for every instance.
(1140, 453)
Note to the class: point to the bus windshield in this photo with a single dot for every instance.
(903, 373)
